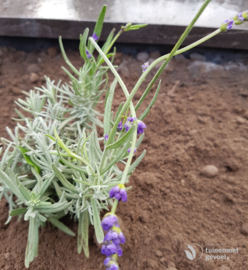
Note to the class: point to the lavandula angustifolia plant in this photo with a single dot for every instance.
(58, 167)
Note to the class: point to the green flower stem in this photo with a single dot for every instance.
(168, 58)
(114, 206)
(114, 40)
(164, 57)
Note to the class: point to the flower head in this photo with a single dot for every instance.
(95, 37)
(118, 192)
(129, 123)
(141, 127)
(145, 66)
(109, 221)
(88, 54)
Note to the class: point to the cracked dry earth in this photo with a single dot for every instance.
(200, 118)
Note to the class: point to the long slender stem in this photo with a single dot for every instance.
(164, 57)
(178, 44)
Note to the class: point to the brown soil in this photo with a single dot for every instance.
(203, 122)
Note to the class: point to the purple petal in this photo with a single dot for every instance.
(95, 37)
(122, 238)
(120, 126)
(117, 196)
(107, 260)
(119, 251)
(123, 195)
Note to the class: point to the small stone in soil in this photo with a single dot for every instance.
(52, 52)
(34, 77)
(210, 171)
(244, 229)
(232, 164)
(143, 56)
(240, 120)
(159, 253)
(193, 132)
(33, 68)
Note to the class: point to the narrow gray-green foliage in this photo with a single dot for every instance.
(55, 163)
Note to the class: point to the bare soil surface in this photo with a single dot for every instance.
(200, 118)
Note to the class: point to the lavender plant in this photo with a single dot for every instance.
(58, 166)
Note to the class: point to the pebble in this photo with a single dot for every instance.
(143, 56)
(202, 119)
(155, 54)
(34, 77)
(240, 120)
(179, 57)
(171, 264)
(159, 254)
(33, 68)
(246, 115)
(52, 52)
(244, 229)
(197, 56)
(224, 267)
(193, 132)
(123, 70)
(144, 217)
(210, 171)
(232, 164)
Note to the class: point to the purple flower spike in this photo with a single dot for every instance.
(120, 126)
(129, 150)
(88, 54)
(106, 137)
(95, 37)
(109, 221)
(145, 66)
(141, 127)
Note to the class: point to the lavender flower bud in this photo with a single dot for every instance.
(113, 266)
(115, 235)
(141, 127)
(119, 251)
(95, 37)
(145, 66)
(119, 193)
(109, 249)
(106, 137)
(129, 123)
(120, 126)
(245, 15)
(109, 221)
(239, 19)
(227, 25)
(88, 54)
